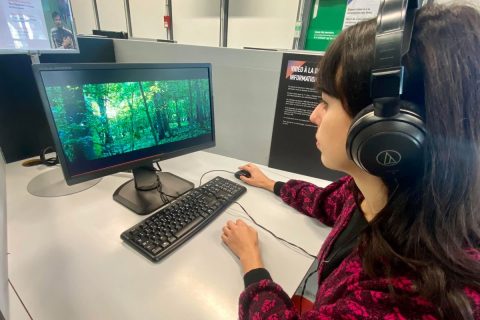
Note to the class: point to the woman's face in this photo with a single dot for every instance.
(332, 127)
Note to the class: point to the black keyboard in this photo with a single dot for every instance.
(165, 230)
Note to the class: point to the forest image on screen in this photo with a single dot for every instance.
(101, 120)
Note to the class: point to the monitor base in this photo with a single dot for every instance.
(52, 184)
(145, 202)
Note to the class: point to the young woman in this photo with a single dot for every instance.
(398, 249)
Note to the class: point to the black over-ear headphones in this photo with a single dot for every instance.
(387, 137)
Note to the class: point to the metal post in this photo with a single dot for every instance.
(168, 13)
(35, 57)
(128, 18)
(223, 22)
(95, 14)
(298, 24)
(302, 24)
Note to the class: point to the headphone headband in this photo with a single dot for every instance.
(392, 41)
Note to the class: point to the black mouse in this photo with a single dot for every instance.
(244, 173)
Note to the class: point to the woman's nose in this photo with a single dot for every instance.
(315, 116)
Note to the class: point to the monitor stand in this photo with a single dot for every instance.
(142, 193)
(52, 184)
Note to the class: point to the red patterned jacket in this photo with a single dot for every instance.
(347, 293)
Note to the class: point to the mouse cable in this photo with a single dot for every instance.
(255, 222)
(274, 235)
(292, 244)
(213, 171)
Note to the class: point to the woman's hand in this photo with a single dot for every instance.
(257, 177)
(242, 239)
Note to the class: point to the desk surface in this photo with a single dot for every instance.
(67, 260)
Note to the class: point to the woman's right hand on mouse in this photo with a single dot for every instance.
(258, 178)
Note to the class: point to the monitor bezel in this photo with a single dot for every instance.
(74, 179)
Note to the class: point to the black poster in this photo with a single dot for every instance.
(293, 140)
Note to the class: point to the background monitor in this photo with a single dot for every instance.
(111, 34)
(37, 26)
(106, 118)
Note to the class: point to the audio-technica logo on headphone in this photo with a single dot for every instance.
(388, 158)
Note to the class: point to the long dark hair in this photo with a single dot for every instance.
(430, 230)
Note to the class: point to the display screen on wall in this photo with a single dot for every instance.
(293, 145)
(37, 26)
(327, 18)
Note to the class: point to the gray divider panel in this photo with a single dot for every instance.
(245, 85)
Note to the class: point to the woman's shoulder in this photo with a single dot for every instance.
(349, 286)
(350, 282)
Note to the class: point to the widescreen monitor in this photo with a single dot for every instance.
(109, 117)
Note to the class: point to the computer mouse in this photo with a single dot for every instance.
(244, 173)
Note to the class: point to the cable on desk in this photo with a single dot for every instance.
(163, 195)
(274, 235)
(213, 171)
(255, 222)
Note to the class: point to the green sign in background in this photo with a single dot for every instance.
(325, 24)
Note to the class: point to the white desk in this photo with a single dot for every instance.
(67, 260)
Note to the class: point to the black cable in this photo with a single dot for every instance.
(164, 199)
(213, 171)
(48, 161)
(274, 235)
(292, 244)
(304, 287)
(163, 195)
(251, 218)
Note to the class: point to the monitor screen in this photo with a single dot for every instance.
(107, 117)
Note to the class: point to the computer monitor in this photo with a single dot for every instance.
(107, 118)
(111, 34)
(37, 27)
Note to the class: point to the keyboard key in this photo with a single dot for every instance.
(187, 227)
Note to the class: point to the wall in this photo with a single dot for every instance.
(252, 23)
(245, 85)
(83, 16)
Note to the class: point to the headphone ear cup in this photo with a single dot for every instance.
(359, 125)
(385, 146)
(362, 112)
